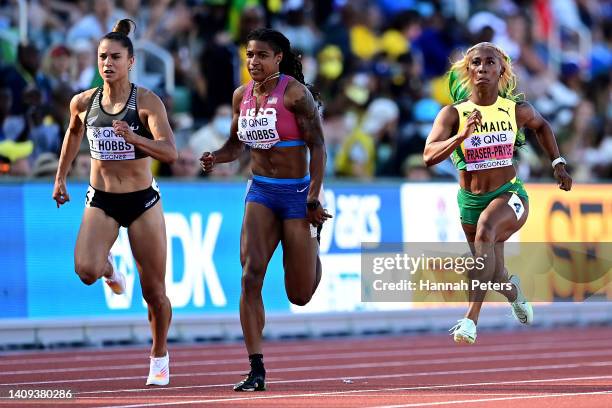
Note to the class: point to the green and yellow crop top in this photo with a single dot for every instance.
(492, 143)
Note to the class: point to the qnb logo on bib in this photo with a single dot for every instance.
(105, 144)
(258, 131)
(489, 150)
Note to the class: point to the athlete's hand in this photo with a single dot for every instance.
(318, 216)
(60, 193)
(207, 161)
(123, 129)
(564, 180)
(475, 119)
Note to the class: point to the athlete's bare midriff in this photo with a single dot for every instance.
(280, 162)
(485, 181)
(121, 176)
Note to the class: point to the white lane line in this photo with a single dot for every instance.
(437, 403)
(370, 377)
(337, 356)
(335, 393)
(100, 354)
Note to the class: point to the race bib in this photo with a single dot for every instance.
(258, 131)
(105, 144)
(490, 150)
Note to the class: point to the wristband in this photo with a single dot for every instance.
(313, 205)
(558, 160)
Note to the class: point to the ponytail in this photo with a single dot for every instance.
(120, 33)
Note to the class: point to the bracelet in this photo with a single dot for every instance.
(558, 160)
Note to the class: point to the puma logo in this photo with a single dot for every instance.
(506, 111)
(466, 114)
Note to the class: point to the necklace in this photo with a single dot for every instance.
(258, 85)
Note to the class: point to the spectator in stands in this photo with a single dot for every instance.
(58, 66)
(187, 165)
(25, 74)
(101, 19)
(85, 70)
(11, 126)
(45, 166)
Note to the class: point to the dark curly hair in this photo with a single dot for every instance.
(291, 63)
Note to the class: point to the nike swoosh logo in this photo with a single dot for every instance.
(302, 190)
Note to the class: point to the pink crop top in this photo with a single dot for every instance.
(274, 125)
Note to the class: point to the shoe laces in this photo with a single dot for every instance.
(457, 326)
(159, 362)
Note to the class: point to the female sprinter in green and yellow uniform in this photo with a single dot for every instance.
(480, 132)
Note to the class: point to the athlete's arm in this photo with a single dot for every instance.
(301, 102)
(70, 146)
(441, 143)
(162, 147)
(233, 147)
(527, 116)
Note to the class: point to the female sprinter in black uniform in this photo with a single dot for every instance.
(125, 125)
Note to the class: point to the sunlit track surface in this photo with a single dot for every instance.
(561, 368)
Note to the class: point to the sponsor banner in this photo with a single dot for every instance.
(203, 271)
(13, 285)
(582, 216)
(203, 223)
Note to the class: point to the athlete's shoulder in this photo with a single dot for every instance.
(449, 113)
(147, 99)
(239, 94)
(294, 85)
(81, 101)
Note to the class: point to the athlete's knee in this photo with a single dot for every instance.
(485, 232)
(299, 299)
(88, 272)
(154, 295)
(252, 281)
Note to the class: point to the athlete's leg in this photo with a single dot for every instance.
(148, 242)
(259, 238)
(496, 224)
(501, 273)
(300, 259)
(96, 236)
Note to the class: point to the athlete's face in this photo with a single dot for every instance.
(484, 67)
(261, 60)
(113, 60)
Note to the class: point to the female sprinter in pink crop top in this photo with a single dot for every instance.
(276, 115)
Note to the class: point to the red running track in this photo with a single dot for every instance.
(561, 368)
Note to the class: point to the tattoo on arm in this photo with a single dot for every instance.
(307, 118)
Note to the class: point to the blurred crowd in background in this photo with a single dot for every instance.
(379, 65)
